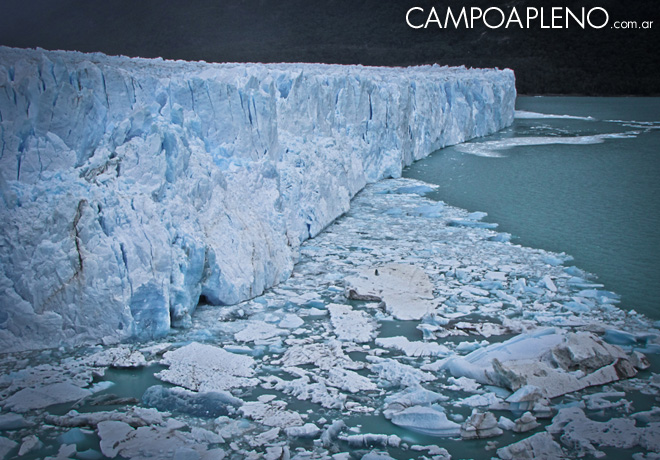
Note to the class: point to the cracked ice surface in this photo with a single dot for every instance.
(132, 188)
(318, 374)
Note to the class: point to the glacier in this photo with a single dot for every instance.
(132, 189)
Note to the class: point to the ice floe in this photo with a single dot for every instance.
(405, 289)
(351, 325)
(202, 367)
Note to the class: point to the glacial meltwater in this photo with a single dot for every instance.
(586, 183)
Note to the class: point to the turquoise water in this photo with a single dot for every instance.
(595, 195)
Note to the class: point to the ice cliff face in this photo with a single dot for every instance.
(131, 188)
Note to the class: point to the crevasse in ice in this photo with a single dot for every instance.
(133, 188)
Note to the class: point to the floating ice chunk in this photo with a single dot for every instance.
(405, 289)
(73, 436)
(256, 331)
(548, 283)
(480, 425)
(501, 237)
(411, 396)
(89, 454)
(557, 259)
(477, 215)
(65, 452)
(524, 114)
(471, 223)
(119, 438)
(308, 430)
(376, 456)
(600, 401)
(463, 384)
(205, 368)
(6, 446)
(492, 148)
(313, 312)
(466, 347)
(121, 357)
(267, 437)
(540, 446)
(349, 381)
(134, 416)
(651, 416)
(486, 399)
(43, 396)
(395, 373)
(28, 444)
(496, 276)
(624, 338)
(323, 355)
(371, 440)
(414, 349)
(303, 389)
(13, 422)
(426, 420)
(332, 432)
(437, 453)
(415, 189)
(273, 413)
(506, 423)
(527, 397)
(581, 433)
(351, 325)
(291, 321)
(547, 359)
(525, 423)
(210, 404)
(600, 295)
(429, 211)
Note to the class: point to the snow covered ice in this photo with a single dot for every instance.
(133, 188)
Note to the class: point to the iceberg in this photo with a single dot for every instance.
(133, 189)
(552, 360)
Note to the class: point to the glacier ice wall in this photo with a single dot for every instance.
(131, 188)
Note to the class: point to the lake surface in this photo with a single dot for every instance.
(587, 184)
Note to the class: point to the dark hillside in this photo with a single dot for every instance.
(369, 32)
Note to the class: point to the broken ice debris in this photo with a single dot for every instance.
(405, 289)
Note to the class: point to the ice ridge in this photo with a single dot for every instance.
(133, 188)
